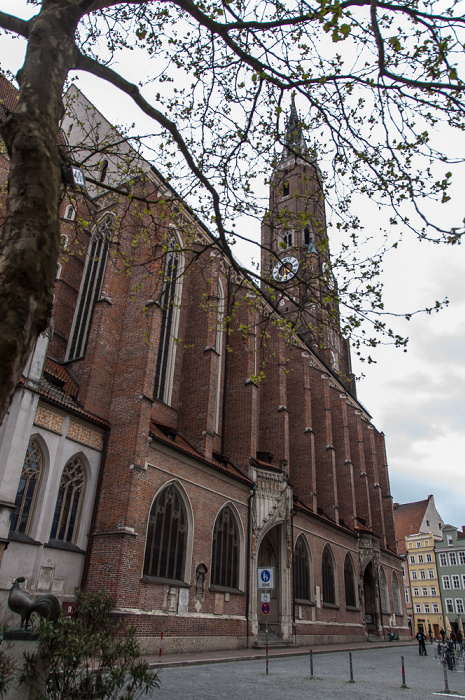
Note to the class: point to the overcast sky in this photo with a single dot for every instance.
(416, 398)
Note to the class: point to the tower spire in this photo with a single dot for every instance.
(294, 140)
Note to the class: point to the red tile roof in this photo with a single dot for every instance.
(408, 518)
(8, 97)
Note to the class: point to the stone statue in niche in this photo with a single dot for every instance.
(46, 606)
(200, 576)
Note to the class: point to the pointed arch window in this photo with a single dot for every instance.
(91, 286)
(69, 501)
(169, 325)
(302, 581)
(383, 590)
(165, 549)
(28, 488)
(396, 595)
(328, 577)
(225, 550)
(349, 582)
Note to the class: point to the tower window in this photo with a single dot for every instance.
(286, 239)
(307, 236)
(286, 189)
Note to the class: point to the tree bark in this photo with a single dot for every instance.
(30, 243)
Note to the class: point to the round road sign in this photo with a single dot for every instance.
(265, 608)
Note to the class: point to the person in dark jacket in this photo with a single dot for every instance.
(421, 643)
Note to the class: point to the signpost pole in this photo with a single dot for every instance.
(266, 632)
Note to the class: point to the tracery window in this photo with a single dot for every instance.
(396, 595)
(225, 550)
(349, 582)
(28, 488)
(327, 577)
(69, 500)
(165, 549)
(91, 286)
(169, 325)
(383, 590)
(302, 581)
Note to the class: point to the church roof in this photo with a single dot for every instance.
(170, 437)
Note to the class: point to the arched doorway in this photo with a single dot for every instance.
(269, 555)
(370, 599)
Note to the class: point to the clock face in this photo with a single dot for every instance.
(285, 269)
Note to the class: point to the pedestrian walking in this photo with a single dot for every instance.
(443, 635)
(421, 643)
(430, 634)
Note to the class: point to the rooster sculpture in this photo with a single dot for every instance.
(46, 606)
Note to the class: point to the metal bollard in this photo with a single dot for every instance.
(446, 684)
(311, 664)
(404, 685)
(351, 669)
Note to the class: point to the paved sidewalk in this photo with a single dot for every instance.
(376, 672)
(192, 658)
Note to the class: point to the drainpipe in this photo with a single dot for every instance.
(249, 549)
(85, 568)
(226, 363)
(292, 577)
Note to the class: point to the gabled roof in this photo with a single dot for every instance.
(408, 519)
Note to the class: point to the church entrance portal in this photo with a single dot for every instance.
(268, 556)
(370, 598)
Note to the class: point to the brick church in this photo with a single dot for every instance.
(178, 431)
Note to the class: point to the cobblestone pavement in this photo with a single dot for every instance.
(377, 674)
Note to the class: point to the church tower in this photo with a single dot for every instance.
(295, 252)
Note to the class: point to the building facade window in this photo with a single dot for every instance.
(328, 577)
(450, 541)
(422, 574)
(452, 559)
(462, 558)
(416, 591)
(429, 558)
(418, 607)
(459, 605)
(463, 581)
(407, 595)
(225, 550)
(435, 608)
(424, 591)
(412, 559)
(91, 287)
(414, 575)
(69, 501)
(28, 489)
(349, 582)
(420, 558)
(443, 559)
(430, 573)
(426, 607)
(418, 544)
(455, 581)
(165, 549)
(170, 301)
(446, 582)
(302, 580)
(449, 605)
(433, 590)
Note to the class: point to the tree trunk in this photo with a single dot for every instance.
(30, 238)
